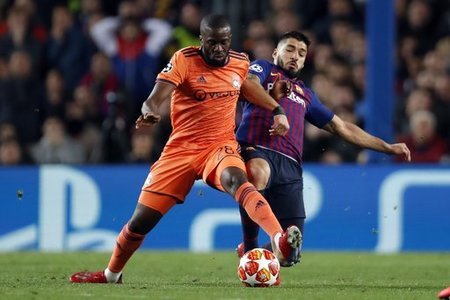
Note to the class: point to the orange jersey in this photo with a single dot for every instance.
(203, 105)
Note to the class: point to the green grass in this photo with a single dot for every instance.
(183, 275)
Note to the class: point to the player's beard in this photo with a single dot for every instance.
(213, 62)
(290, 73)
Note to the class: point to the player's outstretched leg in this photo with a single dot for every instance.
(129, 239)
(126, 244)
(286, 246)
(445, 294)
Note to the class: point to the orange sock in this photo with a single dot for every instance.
(257, 208)
(126, 244)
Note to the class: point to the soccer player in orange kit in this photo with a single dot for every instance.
(204, 84)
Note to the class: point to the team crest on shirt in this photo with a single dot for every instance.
(256, 68)
(236, 83)
(299, 90)
(167, 68)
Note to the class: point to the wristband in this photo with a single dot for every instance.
(145, 108)
(278, 111)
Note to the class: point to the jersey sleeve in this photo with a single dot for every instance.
(318, 114)
(260, 68)
(175, 71)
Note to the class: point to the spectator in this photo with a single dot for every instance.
(11, 153)
(134, 47)
(67, 48)
(420, 24)
(340, 33)
(7, 131)
(426, 145)
(91, 10)
(187, 32)
(102, 81)
(20, 36)
(37, 25)
(56, 147)
(258, 31)
(83, 123)
(419, 99)
(55, 95)
(142, 147)
(131, 45)
(342, 10)
(21, 98)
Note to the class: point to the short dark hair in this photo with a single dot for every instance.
(295, 35)
(214, 21)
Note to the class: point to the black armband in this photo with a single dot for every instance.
(278, 111)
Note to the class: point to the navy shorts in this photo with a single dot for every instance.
(284, 191)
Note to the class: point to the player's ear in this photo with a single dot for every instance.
(274, 54)
(201, 38)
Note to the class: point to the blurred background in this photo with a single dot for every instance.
(73, 76)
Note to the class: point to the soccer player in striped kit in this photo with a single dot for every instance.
(274, 163)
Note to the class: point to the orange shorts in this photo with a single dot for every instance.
(177, 169)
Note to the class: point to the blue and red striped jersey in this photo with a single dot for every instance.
(300, 105)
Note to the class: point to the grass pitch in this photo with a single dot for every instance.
(184, 275)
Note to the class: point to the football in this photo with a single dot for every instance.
(259, 268)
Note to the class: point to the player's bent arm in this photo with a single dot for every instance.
(253, 91)
(357, 136)
(161, 92)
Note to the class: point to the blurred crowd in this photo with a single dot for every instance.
(73, 74)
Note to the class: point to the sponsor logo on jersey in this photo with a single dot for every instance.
(201, 95)
(296, 98)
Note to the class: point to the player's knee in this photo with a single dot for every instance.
(258, 173)
(143, 219)
(232, 178)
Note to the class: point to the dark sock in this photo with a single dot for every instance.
(250, 231)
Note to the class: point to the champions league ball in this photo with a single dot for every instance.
(259, 268)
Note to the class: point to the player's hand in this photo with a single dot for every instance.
(280, 125)
(401, 149)
(281, 88)
(149, 119)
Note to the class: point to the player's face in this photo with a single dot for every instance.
(290, 55)
(216, 44)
